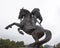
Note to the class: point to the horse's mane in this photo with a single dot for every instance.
(26, 11)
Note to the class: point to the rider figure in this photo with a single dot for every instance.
(36, 14)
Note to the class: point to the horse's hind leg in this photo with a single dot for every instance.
(35, 37)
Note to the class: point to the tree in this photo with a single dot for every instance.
(58, 45)
(6, 43)
(41, 46)
(20, 44)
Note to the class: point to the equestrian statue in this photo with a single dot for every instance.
(28, 25)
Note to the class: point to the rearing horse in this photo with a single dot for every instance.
(37, 32)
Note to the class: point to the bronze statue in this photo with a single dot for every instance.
(28, 25)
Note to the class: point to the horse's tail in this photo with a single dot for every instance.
(47, 38)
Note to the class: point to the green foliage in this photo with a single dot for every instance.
(58, 45)
(20, 44)
(41, 46)
(6, 43)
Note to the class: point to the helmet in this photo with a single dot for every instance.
(36, 9)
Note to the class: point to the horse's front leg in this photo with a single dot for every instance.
(19, 30)
(10, 26)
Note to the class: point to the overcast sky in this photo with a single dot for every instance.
(49, 9)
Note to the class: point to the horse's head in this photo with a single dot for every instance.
(22, 13)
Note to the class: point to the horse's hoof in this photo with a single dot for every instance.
(21, 32)
(6, 27)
